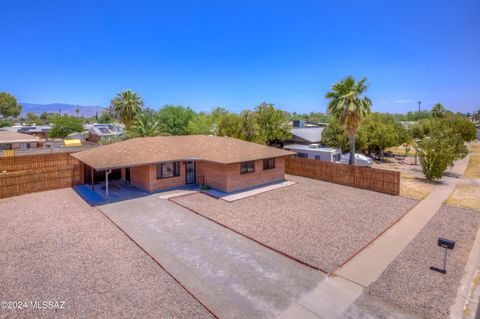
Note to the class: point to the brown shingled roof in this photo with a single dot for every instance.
(149, 150)
(14, 137)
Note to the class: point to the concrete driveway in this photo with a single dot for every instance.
(232, 275)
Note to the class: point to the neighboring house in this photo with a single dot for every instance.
(98, 133)
(14, 141)
(164, 162)
(40, 131)
(315, 151)
(306, 135)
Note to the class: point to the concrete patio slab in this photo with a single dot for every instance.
(176, 193)
(231, 197)
(232, 275)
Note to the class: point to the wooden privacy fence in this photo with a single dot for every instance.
(36, 173)
(374, 179)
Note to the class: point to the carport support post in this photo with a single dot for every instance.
(106, 180)
(93, 182)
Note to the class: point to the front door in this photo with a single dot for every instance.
(189, 172)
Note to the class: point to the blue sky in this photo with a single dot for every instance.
(238, 53)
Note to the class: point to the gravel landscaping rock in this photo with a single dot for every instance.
(54, 247)
(319, 223)
(408, 281)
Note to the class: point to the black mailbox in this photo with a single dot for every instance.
(446, 243)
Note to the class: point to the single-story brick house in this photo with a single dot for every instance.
(14, 141)
(164, 162)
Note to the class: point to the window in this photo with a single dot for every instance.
(167, 170)
(302, 155)
(247, 167)
(318, 157)
(336, 157)
(268, 163)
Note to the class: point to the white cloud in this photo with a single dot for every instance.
(404, 101)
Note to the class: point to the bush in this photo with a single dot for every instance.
(204, 187)
(439, 151)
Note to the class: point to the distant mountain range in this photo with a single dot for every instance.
(60, 107)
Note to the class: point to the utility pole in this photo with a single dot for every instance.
(419, 103)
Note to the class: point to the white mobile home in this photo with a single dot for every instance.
(315, 151)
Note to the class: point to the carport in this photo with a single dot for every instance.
(92, 176)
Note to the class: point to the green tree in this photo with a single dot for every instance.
(64, 125)
(438, 110)
(6, 122)
(32, 118)
(381, 131)
(176, 119)
(77, 111)
(105, 118)
(46, 118)
(127, 105)
(229, 125)
(9, 107)
(272, 123)
(248, 126)
(334, 136)
(202, 123)
(145, 124)
(439, 151)
(456, 123)
(349, 108)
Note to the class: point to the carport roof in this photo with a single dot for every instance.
(149, 150)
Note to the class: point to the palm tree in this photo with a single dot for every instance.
(349, 108)
(145, 124)
(77, 110)
(127, 105)
(438, 110)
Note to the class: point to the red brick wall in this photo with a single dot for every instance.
(165, 183)
(213, 174)
(237, 181)
(140, 176)
(219, 176)
(146, 177)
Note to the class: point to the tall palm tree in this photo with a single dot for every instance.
(145, 124)
(127, 105)
(347, 105)
(438, 110)
(77, 110)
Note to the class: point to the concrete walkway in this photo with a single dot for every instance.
(347, 283)
(231, 275)
(367, 266)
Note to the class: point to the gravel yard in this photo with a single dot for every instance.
(54, 247)
(408, 282)
(319, 223)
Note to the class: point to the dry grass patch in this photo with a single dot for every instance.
(400, 150)
(473, 168)
(414, 187)
(466, 195)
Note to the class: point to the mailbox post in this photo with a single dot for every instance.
(448, 245)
